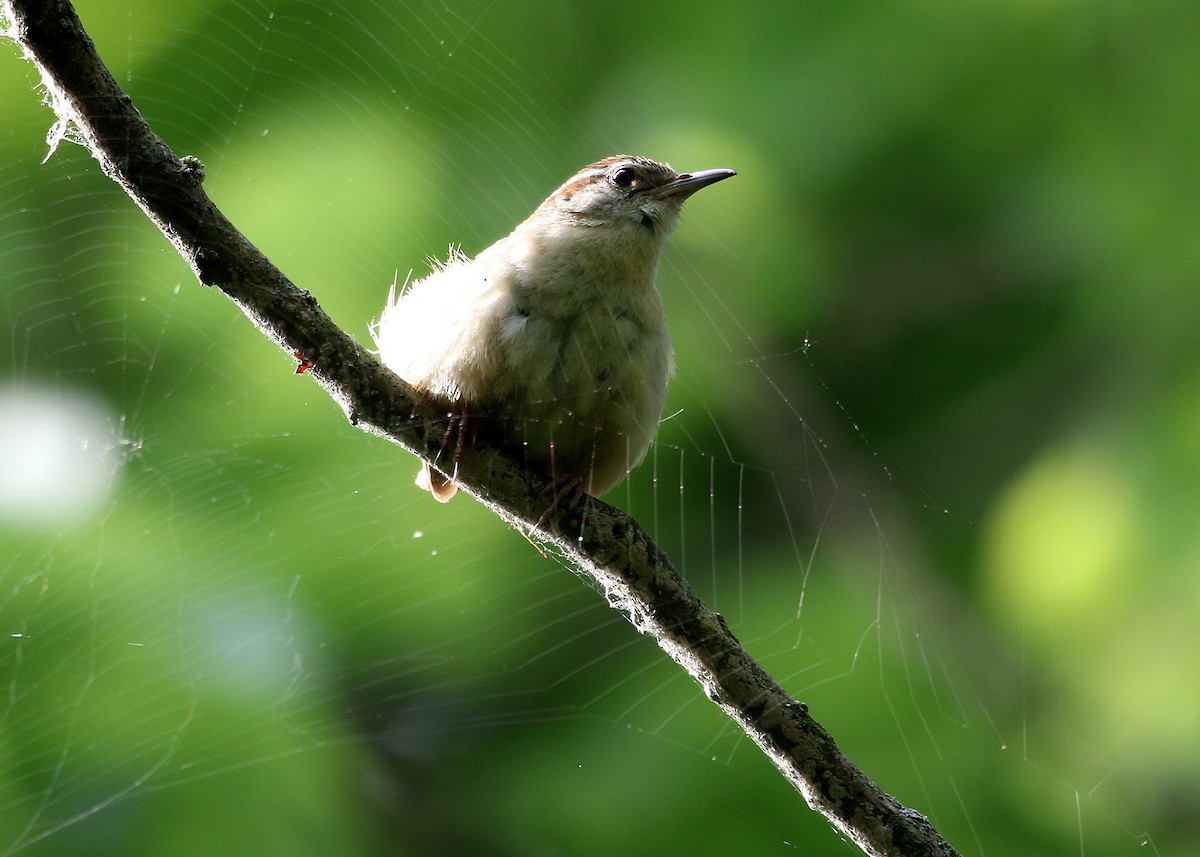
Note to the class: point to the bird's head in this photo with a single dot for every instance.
(629, 192)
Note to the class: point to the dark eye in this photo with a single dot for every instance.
(624, 177)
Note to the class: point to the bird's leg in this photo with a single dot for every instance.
(462, 427)
(566, 492)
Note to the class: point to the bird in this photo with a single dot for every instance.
(552, 343)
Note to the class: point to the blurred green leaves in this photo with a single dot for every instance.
(937, 348)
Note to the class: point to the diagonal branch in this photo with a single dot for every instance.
(603, 542)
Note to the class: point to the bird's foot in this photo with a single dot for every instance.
(567, 493)
(461, 430)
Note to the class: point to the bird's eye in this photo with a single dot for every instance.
(624, 177)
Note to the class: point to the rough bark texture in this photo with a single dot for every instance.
(603, 542)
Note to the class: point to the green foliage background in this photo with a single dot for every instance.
(962, 245)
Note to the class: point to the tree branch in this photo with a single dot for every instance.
(603, 542)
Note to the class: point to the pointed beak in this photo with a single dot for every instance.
(686, 184)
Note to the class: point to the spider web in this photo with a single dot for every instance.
(230, 623)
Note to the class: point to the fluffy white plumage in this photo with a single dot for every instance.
(553, 339)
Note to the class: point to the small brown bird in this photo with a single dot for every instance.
(551, 344)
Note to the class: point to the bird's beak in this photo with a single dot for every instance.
(686, 184)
